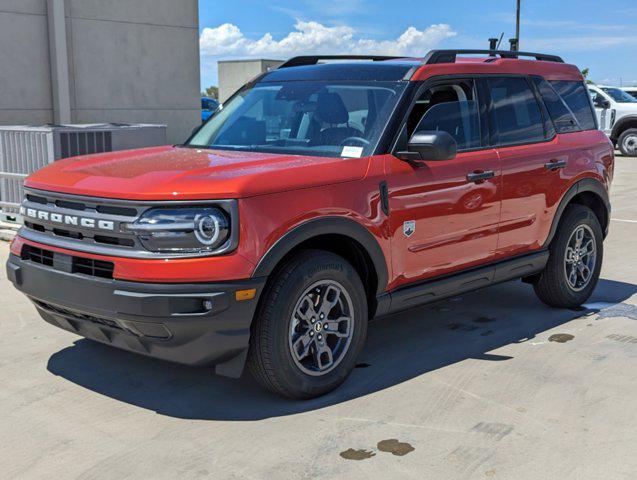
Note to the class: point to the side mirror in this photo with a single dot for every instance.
(429, 145)
(602, 103)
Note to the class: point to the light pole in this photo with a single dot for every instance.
(517, 26)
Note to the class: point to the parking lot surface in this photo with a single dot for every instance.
(492, 384)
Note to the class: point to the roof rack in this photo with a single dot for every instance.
(314, 59)
(449, 56)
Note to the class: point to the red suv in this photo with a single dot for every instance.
(324, 194)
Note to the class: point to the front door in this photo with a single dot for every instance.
(444, 214)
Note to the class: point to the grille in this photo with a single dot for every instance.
(38, 255)
(81, 143)
(84, 266)
(76, 315)
(94, 268)
(74, 235)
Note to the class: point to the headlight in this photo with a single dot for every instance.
(183, 230)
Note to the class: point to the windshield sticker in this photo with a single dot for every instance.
(354, 152)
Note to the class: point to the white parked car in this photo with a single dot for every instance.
(631, 90)
(616, 113)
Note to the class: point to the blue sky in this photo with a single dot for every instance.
(599, 35)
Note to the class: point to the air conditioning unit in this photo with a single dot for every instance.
(25, 149)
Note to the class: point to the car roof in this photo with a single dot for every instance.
(359, 68)
(386, 70)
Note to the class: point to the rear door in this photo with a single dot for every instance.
(532, 163)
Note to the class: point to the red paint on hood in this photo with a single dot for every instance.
(174, 173)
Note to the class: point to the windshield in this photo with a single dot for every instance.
(303, 117)
(619, 95)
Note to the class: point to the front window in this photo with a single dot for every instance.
(619, 95)
(303, 117)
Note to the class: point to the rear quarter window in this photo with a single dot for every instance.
(575, 95)
(561, 115)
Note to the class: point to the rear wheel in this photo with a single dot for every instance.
(310, 327)
(575, 260)
(627, 142)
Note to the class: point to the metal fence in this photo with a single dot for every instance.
(25, 149)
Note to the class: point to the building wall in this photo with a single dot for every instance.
(233, 74)
(129, 61)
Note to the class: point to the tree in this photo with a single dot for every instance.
(211, 92)
(585, 73)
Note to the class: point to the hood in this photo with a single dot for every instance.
(177, 173)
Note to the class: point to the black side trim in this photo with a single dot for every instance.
(384, 197)
(450, 285)
(585, 185)
(325, 226)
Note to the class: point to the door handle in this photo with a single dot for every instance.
(555, 164)
(480, 176)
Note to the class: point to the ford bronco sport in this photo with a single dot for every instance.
(324, 194)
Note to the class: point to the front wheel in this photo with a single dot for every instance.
(575, 260)
(310, 327)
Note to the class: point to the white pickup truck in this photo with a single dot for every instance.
(631, 90)
(616, 113)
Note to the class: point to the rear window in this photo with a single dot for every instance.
(575, 95)
(517, 113)
(562, 116)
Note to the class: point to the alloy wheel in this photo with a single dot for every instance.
(321, 327)
(579, 260)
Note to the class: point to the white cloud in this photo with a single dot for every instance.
(313, 37)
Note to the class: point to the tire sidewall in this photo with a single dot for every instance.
(576, 215)
(622, 137)
(311, 269)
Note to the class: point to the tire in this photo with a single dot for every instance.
(284, 323)
(627, 142)
(555, 285)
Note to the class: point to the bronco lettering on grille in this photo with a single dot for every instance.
(72, 220)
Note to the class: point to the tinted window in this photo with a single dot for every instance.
(459, 119)
(575, 95)
(451, 108)
(619, 95)
(560, 113)
(516, 111)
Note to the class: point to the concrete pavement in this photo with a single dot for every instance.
(490, 385)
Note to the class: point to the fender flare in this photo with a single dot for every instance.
(618, 127)
(584, 185)
(324, 226)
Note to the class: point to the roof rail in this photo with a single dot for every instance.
(314, 59)
(449, 56)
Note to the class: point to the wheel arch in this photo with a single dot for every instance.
(622, 124)
(338, 235)
(589, 192)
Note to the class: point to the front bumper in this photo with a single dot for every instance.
(193, 324)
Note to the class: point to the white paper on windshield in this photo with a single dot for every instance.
(354, 152)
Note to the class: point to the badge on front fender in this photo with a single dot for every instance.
(409, 227)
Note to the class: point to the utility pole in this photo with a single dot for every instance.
(517, 25)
